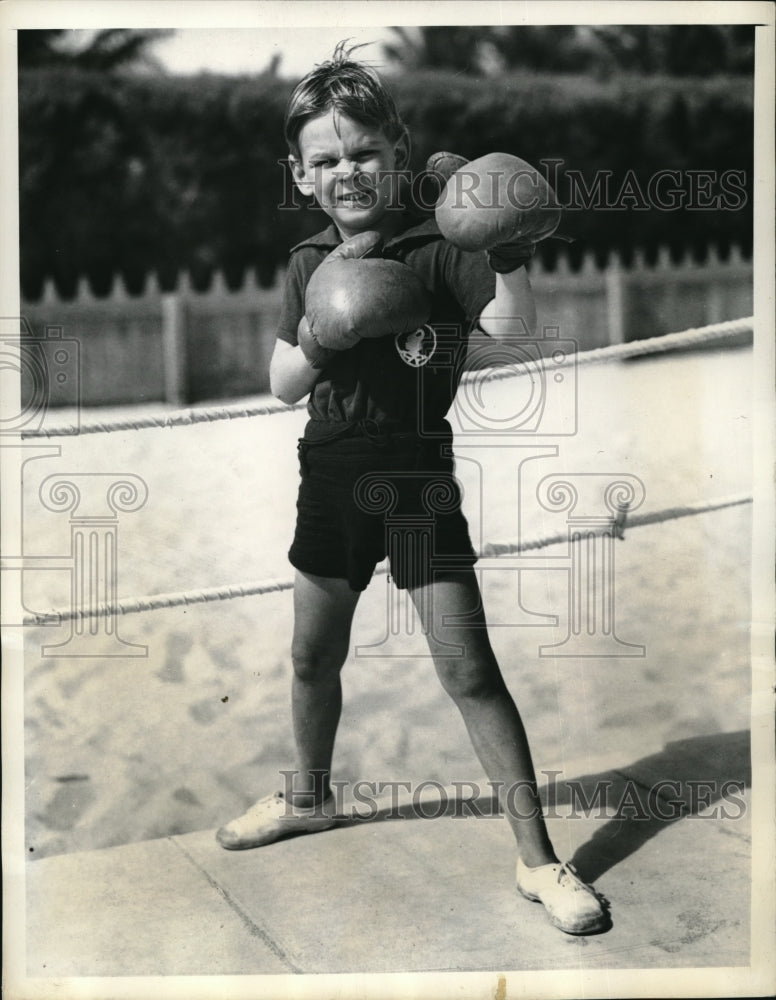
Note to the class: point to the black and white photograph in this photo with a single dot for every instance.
(386, 452)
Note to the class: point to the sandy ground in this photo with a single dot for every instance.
(122, 749)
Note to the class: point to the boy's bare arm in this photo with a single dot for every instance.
(512, 313)
(290, 376)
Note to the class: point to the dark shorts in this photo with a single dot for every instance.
(361, 499)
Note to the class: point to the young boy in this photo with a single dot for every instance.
(348, 146)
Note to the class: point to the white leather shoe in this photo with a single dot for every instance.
(273, 818)
(571, 905)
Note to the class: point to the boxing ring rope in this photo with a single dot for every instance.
(694, 337)
(155, 602)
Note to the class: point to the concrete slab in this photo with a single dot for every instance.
(681, 887)
(139, 910)
(392, 895)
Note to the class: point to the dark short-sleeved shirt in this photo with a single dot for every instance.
(406, 381)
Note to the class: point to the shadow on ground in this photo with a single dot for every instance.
(701, 776)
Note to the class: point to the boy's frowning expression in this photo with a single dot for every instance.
(351, 170)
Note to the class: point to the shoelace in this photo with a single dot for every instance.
(570, 872)
(263, 804)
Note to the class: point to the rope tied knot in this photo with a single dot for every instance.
(619, 519)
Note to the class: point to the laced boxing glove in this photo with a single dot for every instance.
(354, 294)
(497, 203)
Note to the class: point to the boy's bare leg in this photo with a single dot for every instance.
(323, 613)
(475, 683)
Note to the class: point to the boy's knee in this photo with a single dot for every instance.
(463, 680)
(313, 664)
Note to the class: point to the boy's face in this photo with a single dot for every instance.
(350, 168)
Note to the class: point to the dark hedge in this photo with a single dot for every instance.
(132, 174)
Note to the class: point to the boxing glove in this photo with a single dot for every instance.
(497, 203)
(317, 356)
(353, 294)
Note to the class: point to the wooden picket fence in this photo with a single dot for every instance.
(187, 346)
